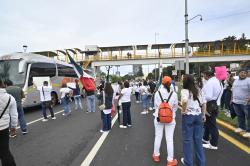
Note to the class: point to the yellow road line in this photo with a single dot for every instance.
(226, 125)
(235, 142)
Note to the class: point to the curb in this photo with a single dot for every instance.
(229, 127)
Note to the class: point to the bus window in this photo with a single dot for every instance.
(41, 70)
(66, 71)
(9, 70)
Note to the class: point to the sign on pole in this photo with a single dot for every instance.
(174, 72)
(179, 65)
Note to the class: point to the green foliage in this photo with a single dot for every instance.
(140, 72)
(128, 77)
(115, 78)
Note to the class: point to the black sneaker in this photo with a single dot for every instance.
(25, 131)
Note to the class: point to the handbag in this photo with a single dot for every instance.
(102, 106)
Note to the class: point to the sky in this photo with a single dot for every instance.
(45, 25)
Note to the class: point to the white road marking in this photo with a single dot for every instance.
(97, 146)
(37, 120)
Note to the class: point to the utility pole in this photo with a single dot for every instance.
(186, 35)
(186, 38)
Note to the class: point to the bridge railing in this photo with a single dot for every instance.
(110, 57)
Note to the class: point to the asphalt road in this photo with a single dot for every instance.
(67, 141)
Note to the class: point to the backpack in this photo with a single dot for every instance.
(165, 114)
(88, 83)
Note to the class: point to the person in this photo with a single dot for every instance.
(212, 90)
(164, 90)
(137, 93)
(193, 115)
(106, 113)
(7, 119)
(125, 98)
(45, 98)
(65, 99)
(144, 96)
(152, 87)
(77, 96)
(241, 101)
(228, 95)
(18, 94)
(90, 100)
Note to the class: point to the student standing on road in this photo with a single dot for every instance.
(212, 91)
(144, 96)
(241, 101)
(169, 127)
(65, 98)
(8, 118)
(45, 98)
(18, 94)
(193, 115)
(77, 95)
(108, 101)
(125, 98)
(90, 100)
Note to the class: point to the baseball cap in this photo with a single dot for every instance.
(166, 80)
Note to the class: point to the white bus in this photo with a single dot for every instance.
(20, 68)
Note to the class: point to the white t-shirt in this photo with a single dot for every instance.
(193, 107)
(126, 93)
(107, 111)
(173, 101)
(45, 93)
(64, 91)
(144, 90)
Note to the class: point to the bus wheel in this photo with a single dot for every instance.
(54, 98)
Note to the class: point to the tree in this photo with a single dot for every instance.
(140, 72)
(128, 77)
(115, 78)
(167, 71)
(150, 76)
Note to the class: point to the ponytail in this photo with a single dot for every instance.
(167, 87)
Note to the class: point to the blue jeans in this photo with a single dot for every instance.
(21, 119)
(78, 102)
(91, 103)
(192, 127)
(106, 120)
(65, 105)
(144, 101)
(126, 113)
(45, 105)
(243, 113)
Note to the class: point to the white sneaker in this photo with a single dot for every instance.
(246, 135)
(123, 127)
(63, 114)
(45, 120)
(238, 130)
(144, 112)
(54, 118)
(209, 146)
(206, 142)
(129, 125)
(150, 108)
(182, 161)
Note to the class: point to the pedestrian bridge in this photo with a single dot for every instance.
(213, 51)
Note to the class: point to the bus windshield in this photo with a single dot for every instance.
(9, 70)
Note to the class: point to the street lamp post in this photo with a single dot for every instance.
(25, 48)
(186, 35)
(186, 38)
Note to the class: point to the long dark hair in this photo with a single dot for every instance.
(188, 83)
(108, 89)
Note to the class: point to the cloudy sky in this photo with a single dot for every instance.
(59, 24)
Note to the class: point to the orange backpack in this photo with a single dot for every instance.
(165, 114)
